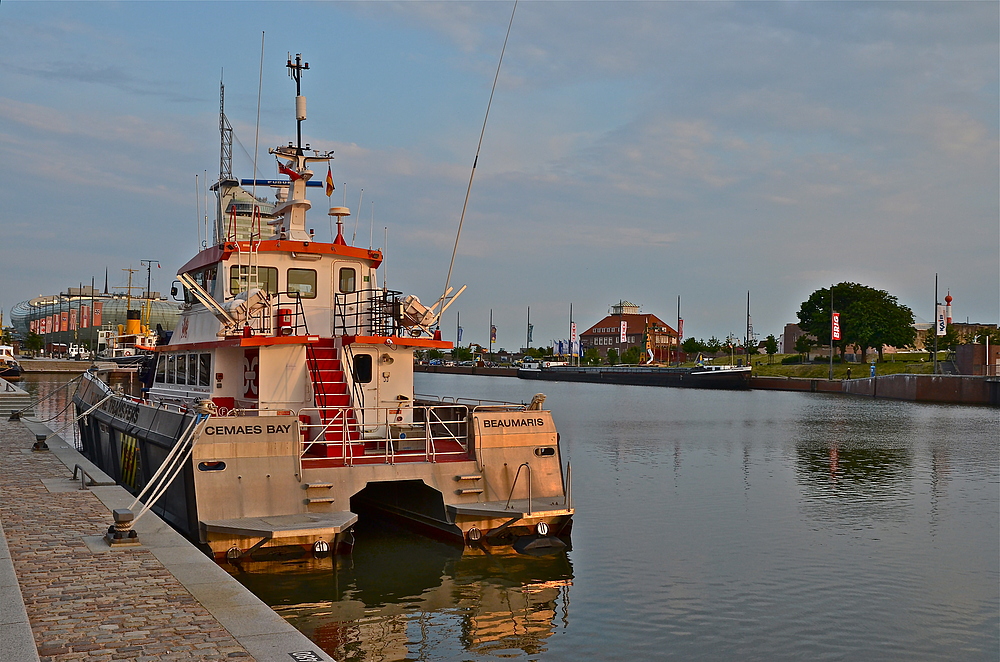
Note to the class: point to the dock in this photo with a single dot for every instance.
(65, 594)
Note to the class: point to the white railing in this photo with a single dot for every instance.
(348, 433)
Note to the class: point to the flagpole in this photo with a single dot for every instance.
(935, 323)
(527, 331)
(491, 335)
(831, 333)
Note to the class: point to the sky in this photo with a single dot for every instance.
(638, 151)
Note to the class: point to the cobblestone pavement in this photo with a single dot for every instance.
(114, 605)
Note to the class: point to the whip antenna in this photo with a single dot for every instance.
(475, 162)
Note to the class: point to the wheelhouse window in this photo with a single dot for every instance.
(302, 281)
(171, 361)
(240, 279)
(161, 370)
(192, 361)
(181, 367)
(204, 369)
(348, 280)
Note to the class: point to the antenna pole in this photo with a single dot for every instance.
(295, 71)
(475, 162)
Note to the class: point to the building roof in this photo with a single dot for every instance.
(636, 324)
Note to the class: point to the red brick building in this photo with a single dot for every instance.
(607, 334)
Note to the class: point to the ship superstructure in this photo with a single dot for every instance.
(284, 400)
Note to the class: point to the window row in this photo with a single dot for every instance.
(302, 281)
(187, 369)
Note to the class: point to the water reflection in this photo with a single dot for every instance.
(401, 596)
(54, 396)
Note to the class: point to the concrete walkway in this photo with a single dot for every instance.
(65, 595)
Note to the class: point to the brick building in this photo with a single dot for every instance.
(607, 334)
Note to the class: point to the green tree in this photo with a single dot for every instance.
(771, 347)
(991, 335)
(632, 355)
(868, 318)
(433, 354)
(803, 345)
(461, 354)
(591, 356)
(613, 356)
(713, 346)
(34, 342)
(692, 345)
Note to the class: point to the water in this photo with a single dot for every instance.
(710, 525)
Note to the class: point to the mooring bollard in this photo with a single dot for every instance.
(40, 445)
(120, 534)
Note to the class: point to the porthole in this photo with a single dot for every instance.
(217, 465)
(545, 451)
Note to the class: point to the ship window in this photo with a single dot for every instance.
(545, 451)
(161, 369)
(239, 275)
(217, 465)
(192, 361)
(348, 278)
(302, 281)
(181, 367)
(363, 368)
(204, 369)
(171, 360)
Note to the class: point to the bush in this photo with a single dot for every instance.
(789, 360)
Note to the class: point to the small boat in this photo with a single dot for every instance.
(9, 367)
(282, 407)
(703, 376)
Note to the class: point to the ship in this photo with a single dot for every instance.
(9, 367)
(282, 407)
(700, 376)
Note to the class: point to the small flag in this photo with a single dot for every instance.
(285, 170)
(493, 333)
(330, 188)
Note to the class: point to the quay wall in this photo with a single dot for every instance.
(53, 365)
(950, 389)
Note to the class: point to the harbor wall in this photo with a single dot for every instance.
(952, 389)
(949, 389)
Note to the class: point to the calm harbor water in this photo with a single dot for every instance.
(710, 525)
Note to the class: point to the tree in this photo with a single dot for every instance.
(771, 347)
(461, 354)
(34, 342)
(713, 346)
(591, 356)
(632, 355)
(868, 318)
(613, 356)
(692, 345)
(803, 345)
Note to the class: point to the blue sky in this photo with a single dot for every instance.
(634, 151)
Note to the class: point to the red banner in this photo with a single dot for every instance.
(836, 326)
(98, 306)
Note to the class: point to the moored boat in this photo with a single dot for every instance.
(9, 367)
(706, 376)
(283, 404)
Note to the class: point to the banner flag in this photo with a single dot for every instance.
(459, 334)
(836, 326)
(941, 325)
(680, 328)
(624, 331)
(531, 329)
(493, 333)
(330, 188)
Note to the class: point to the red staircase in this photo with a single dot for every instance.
(333, 399)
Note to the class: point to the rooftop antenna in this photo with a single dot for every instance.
(295, 72)
(361, 196)
(256, 135)
(475, 162)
